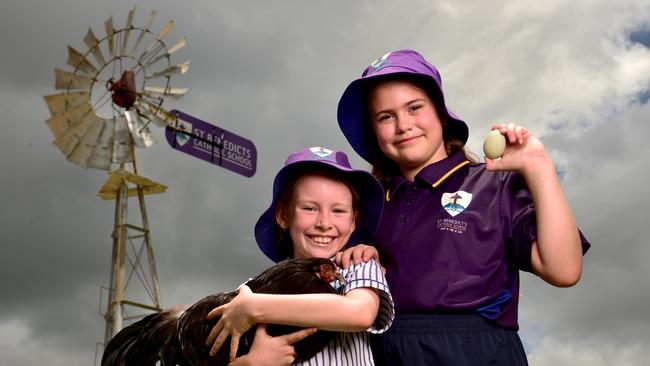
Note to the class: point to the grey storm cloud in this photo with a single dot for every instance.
(272, 72)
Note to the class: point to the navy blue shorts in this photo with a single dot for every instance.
(458, 340)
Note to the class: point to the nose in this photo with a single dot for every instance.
(323, 221)
(403, 123)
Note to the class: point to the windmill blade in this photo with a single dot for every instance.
(144, 31)
(177, 46)
(180, 44)
(109, 36)
(93, 45)
(122, 148)
(79, 61)
(157, 41)
(62, 102)
(66, 80)
(71, 138)
(101, 156)
(140, 132)
(86, 146)
(129, 26)
(61, 123)
(159, 92)
(172, 70)
(156, 114)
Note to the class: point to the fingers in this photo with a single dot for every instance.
(234, 345)
(369, 253)
(343, 258)
(214, 333)
(357, 255)
(221, 339)
(298, 336)
(514, 133)
(215, 338)
(339, 258)
(215, 312)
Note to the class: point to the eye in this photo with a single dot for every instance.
(309, 208)
(340, 211)
(414, 107)
(383, 117)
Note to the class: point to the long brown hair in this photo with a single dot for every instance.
(383, 168)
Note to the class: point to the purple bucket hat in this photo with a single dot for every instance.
(370, 191)
(351, 110)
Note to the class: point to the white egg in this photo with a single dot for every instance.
(494, 144)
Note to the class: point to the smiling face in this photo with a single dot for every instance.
(406, 125)
(319, 216)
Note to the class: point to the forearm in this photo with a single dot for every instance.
(354, 312)
(557, 253)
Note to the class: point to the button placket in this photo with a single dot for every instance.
(408, 201)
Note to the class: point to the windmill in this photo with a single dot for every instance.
(115, 89)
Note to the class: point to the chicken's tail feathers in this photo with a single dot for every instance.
(146, 342)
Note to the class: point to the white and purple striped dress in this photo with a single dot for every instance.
(353, 348)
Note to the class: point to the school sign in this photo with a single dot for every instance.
(212, 144)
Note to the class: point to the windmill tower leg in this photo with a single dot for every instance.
(129, 272)
(116, 290)
(152, 263)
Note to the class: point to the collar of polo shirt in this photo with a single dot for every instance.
(434, 174)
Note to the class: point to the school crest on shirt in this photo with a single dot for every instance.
(456, 202)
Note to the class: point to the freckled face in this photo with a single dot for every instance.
(406, 126)
(319, 217)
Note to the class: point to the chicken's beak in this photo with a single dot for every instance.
(339, 277)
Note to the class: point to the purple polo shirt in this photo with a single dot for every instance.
(455, 238)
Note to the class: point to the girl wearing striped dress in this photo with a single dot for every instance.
(320, 205)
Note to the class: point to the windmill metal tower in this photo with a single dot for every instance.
(102, 114)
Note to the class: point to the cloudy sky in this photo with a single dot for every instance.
(272, 71)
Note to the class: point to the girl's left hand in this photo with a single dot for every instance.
(236, 319)
(523, 150)
(272, 351)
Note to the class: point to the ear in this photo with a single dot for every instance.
(281, 217)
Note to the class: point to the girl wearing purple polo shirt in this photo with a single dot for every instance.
(320, 205)
(454, 233)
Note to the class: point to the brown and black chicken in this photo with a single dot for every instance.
(176, 336)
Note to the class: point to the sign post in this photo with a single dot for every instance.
(212, 144)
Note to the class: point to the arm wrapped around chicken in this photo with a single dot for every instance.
(176, 336)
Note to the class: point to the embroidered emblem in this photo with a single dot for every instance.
(456, 202)
(321, 151)
(182, 137)
(379, 64)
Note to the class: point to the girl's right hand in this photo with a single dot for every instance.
(357, 254)
(236, 319)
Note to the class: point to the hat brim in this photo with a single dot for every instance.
(352, 110)
(371, 203)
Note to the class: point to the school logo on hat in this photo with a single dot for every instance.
(456, 202)
(321, 151)
(380, 63)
